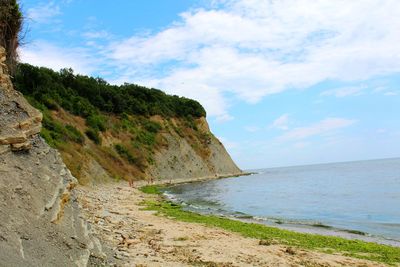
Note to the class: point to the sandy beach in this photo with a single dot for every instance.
(141, 238)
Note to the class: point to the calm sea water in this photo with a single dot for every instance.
(362, 196)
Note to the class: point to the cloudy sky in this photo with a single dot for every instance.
(284, 82)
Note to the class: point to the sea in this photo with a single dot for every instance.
(355, 200)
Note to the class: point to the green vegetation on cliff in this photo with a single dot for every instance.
(87, 96)
(119, 127)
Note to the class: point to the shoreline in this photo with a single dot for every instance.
(308, 240)
(325, 230)
(177, 181)
(319, 229)
(139, 235)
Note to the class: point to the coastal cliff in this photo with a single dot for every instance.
(180, 160)
(106, 132)
(41, 222)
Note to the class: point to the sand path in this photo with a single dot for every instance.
(140, 238)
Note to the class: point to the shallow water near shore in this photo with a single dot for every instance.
(358, 200)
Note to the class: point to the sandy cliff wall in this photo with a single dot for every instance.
(180, 160)
(40, 223)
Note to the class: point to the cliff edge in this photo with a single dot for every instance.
(41, 223)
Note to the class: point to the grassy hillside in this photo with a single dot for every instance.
(97, 126)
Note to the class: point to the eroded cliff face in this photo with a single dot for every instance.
(178, 152)
(182, 160)
(41, 223)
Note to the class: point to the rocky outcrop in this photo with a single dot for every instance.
(41, 223)
(18, 121)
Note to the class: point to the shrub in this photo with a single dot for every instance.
(96, 122)
(50, 103)
(74, 134)
(124, 152)
(146, 138)
(190, 123)
(46, 134)
(93, 135)
(151, 126)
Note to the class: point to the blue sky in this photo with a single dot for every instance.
(285, 82)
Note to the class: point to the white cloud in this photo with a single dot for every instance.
(44, 12)
(359, 90)
(391, 93)
(324, 127)
(229, 145)
(215, 104)
(281, 123)
(42, 53)
(223, 117)
(344, 91)
(251, 129)
(102, 34)
(252, 48)
(379, 89)
(246, 49)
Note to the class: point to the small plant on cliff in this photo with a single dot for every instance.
(151, 126)
(74, 134)
(146, 138)
(94, 136)
(97, 122)
(139, 161)
(124, 152)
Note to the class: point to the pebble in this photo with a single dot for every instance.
(121, 255)
(18, 187)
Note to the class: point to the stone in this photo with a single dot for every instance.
(13, 139)
(18, 187)
(21, 146)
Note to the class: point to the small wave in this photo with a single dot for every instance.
(396, 225)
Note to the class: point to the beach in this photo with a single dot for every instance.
(139, 237)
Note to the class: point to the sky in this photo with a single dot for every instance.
(284, 82)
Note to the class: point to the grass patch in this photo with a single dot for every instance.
(327, 244)
(151, 189)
